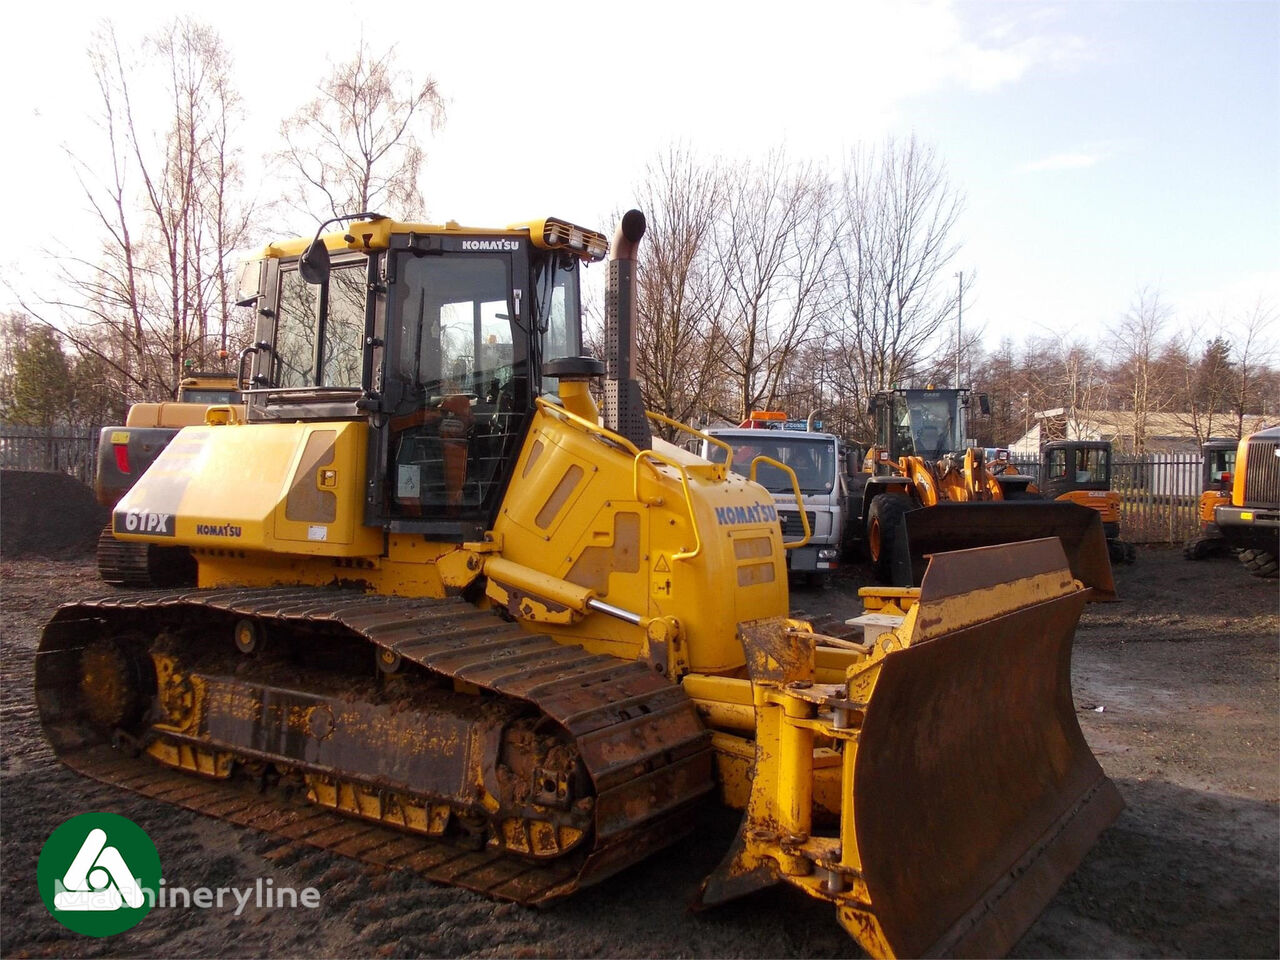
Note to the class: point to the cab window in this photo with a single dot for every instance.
(297, 362)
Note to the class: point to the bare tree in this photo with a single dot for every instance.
(156, 298)
(776, 246)
(895, 248)
(1137, 343)
(356, 146)
(1205, 384)
(680, 290)
(1254, 351)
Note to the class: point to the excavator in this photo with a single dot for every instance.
(124, 453)
(1079, 471)
(455, 619)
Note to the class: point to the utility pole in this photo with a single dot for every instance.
(959, 322)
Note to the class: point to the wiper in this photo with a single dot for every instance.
(417, 347)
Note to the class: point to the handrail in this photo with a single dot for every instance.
(795, 485)
(643, 455)
(561, 413)
(728, 450)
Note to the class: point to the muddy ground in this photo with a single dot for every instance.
(1176, 689)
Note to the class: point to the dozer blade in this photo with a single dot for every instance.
(961, 526)
(967, 791)
(975, 794)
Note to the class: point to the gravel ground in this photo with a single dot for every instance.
(1177, 689)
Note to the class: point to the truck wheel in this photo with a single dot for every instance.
(886, 533)
(1261, 563)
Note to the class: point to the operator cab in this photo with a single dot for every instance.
(1219, 463)
(1067, 465)
(438, 336)
(923, 423)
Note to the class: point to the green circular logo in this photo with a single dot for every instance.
(98, 874)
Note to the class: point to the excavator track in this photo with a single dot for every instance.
(129, 563)
(637, 735)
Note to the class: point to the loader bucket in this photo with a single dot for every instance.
(960, 526)
(967, 792)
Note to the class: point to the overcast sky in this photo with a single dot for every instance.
(1102, 147)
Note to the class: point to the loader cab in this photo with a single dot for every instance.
(437, 337)
(1067, 465)
(921, 423)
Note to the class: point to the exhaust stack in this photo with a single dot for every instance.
(624, 411)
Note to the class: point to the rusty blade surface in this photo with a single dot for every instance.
(975, 793)
(960, 526)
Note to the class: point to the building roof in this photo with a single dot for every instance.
(1164, 429)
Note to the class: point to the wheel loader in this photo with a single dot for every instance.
(925, 488)
(449, 621)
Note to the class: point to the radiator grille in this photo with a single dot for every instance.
(1262, 474)
(791, 525)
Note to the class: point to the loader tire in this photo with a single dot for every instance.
(1260, 563)
(886, 533)
(1011, 495)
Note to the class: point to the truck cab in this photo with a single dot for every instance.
(818, 460)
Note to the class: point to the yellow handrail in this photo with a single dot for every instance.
(728, 450)
(688, 496)
(795, 485)
(561, 413)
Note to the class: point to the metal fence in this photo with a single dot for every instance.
(1159, 495)
(1159, 492)
(71, 450)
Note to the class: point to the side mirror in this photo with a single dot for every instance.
(314, 265)
(983, 403)
(248, 282)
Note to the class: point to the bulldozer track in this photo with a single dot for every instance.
(648, 755)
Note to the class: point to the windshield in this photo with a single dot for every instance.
(1078, 465)
(204, 395)
(925, 424)
(1220, 462)
(812, 458)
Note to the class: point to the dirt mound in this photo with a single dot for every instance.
(47, 514)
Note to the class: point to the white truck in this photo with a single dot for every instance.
(818, 460)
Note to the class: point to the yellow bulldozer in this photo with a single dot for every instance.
(925, 488)
(450, 622)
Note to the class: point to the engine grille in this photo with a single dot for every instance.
(1262, 474)
(792, 528)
